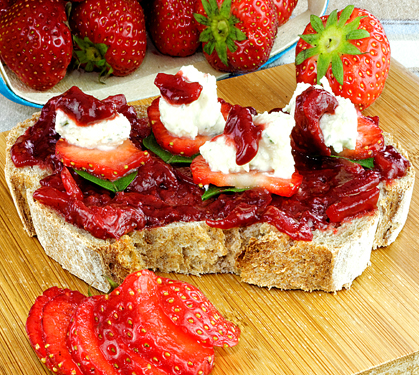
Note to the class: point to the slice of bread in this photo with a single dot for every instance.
(258, 254)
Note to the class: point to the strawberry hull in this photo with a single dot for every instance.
(353, 43)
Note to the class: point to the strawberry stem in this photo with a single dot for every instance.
(220, 32)
(331, 41)
(91, 56)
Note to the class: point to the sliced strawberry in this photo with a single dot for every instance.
(109, 165)
(132, 317)
(369, 141)
(202, 174)
(57, 314)
(84, 342)
(34, 326)
(188, 308)
(178, 145)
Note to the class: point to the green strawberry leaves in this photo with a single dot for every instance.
(221, 32)
(331, 41)
(119, 185)
(92, 56)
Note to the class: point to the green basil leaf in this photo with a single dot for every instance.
(117, 185)
(366, 163)
(212, 191)
(151, 144)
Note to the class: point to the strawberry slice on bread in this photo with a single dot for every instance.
(110, 164)
(202, 174)
(172, 143)
(369, 141)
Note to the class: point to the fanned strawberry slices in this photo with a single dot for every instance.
(149, 325)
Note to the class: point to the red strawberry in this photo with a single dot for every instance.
(4, 4)
(115, 32)
(188, 308)
(134, 317)
(109, 165)
(84, 342)
(202, 174)
(351, 49)
(35, 42)
(57, 314)
(237, 35)
(34, 324)
(369, 141)
(178, 145)
(148, 325)
(173, 28)
(284, 9)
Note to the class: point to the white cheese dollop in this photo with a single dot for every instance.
(274, 154)
(340, 129)
(203, 116)
(105, 135)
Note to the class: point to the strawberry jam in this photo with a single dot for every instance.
(176, 89)
(86, 110)
(243, 133)
(310, 106)
(333, 189)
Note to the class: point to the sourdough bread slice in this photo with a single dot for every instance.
(258, 254)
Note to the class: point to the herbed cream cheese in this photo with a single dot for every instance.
(203, 116)
(274, 155)
(105, 135)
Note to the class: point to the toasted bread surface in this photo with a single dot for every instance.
(259, 254)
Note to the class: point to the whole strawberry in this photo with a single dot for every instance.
(35, 42)
(237, 35)
(109, 35)
(4, 4)
(173, 28)
(351, 49)
(284, 9)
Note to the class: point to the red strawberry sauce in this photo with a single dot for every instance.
(333, 189)
(243, 133)
(176, 89)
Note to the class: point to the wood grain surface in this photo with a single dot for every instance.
(372, 328)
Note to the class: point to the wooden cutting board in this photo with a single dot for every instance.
(372, 328)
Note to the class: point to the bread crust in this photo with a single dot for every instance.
(258, 254)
